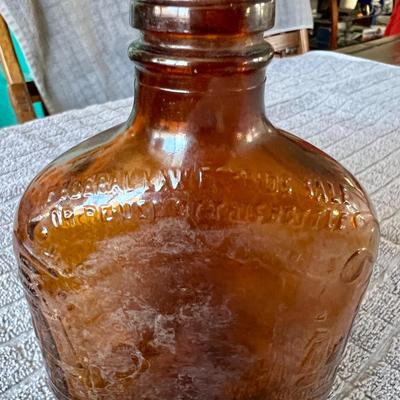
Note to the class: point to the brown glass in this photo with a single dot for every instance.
(195, 252)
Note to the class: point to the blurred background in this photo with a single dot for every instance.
(356, 21)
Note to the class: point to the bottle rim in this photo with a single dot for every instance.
(203, 17)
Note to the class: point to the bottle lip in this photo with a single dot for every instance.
(203, 17)
(249, 58)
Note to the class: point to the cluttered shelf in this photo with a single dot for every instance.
(343, 17)
(341, 23)
(386, 50)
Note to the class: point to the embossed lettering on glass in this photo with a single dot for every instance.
(196, 252)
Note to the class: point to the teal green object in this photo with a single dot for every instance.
(7, 115)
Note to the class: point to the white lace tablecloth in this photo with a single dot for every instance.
(348, 107)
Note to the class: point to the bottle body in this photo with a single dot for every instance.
(196, 252)
(233, 278)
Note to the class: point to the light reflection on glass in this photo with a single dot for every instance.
(171, 62)
(174, 144)
(171, 12)
(250, 136)
(122, 197)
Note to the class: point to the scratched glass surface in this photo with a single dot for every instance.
(195, 252)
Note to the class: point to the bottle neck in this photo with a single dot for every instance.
(200, 85)
(200, 105)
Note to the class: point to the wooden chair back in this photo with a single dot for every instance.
(22, 94)
(290, 43)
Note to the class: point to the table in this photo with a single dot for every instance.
(349, 107)
(386, 50)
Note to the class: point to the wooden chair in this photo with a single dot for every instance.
(331, 21)
(22, 94)
(289, 43)
(334, 11)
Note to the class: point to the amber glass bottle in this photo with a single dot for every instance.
(196, 252)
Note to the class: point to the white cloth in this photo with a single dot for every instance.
(346, 106)
(77, 49)
(292, 15)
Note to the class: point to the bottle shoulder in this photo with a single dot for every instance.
(306, 173)
(39, 196)
(115, 178)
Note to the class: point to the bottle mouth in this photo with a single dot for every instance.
(203, 17)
